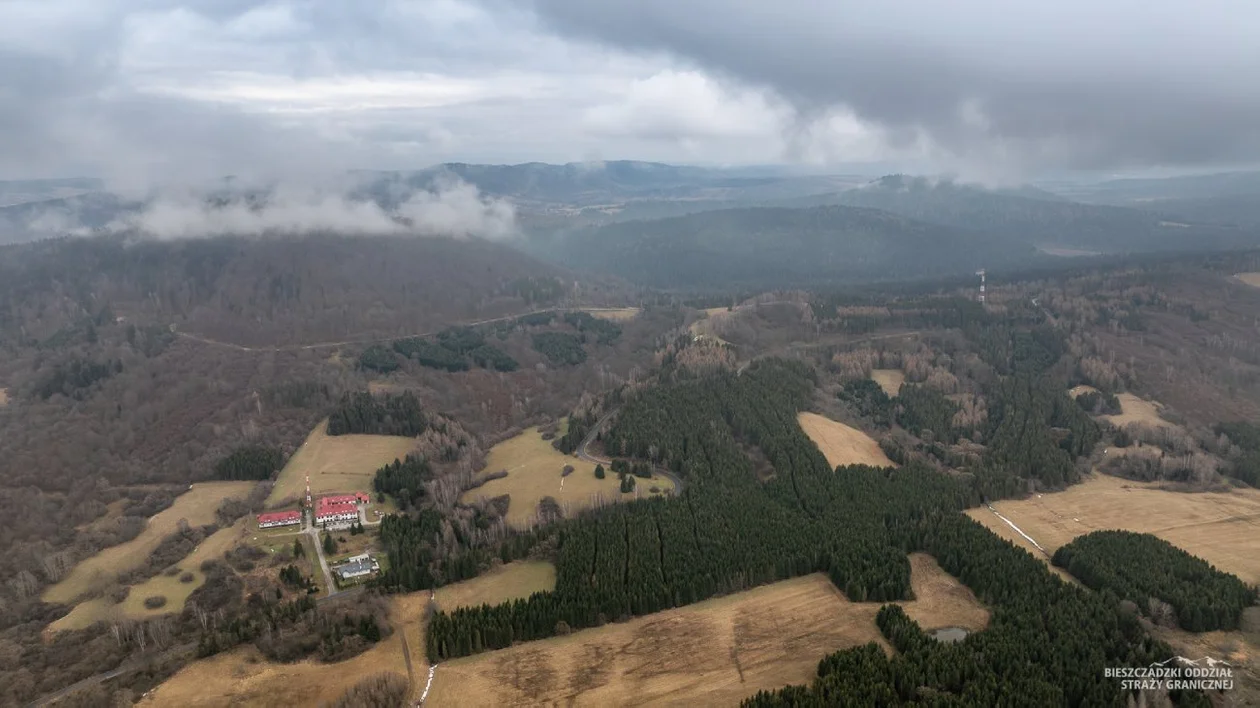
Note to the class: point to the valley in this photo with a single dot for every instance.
(807, 426)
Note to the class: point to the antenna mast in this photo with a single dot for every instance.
(981, 274)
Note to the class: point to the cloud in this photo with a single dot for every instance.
(147, 92)
(1034, 84)
(453, 209)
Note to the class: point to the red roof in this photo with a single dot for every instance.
(275, 516)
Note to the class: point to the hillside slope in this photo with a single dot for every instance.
(780, 246)
(1047, 222)
(268, 291)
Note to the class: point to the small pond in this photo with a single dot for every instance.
(950, 635)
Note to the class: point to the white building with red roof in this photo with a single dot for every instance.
(279, 518)
(337, 509)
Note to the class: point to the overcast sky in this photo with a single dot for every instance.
(150, 90)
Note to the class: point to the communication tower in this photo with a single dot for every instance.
(981, 274)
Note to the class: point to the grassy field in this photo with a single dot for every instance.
(889, 379)
(1252, 279)
(842, 445)
(1241, 649)
(1221, 528)
(506, 582)
(169, 586)
(612, 313)
(712, 653)
(534, 468)
(95, 573)
(244, 678)
(176, 592)
(340, 463)
(1136, 410)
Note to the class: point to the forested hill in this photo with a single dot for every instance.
(602, 183)
(781, 246)
(268, 291)
(1049, 221)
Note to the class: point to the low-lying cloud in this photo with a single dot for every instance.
(450, 209)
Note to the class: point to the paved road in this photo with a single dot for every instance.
(582, 453)
(323, 562)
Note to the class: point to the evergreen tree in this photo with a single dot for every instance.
(599, 471)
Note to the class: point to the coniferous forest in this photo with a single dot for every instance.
(363, 413)
(1138, 567)
(1048, 643)
(250, 462)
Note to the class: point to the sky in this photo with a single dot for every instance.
(159, 91)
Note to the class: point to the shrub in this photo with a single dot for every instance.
(153, 602)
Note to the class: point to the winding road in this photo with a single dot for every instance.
(583, 454)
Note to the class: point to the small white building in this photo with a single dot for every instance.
(357, 567)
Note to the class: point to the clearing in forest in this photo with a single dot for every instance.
(1252, 279)
(337, 463)
(612, 313)
(534, 471)
(171, 587)
(716, 652)
(842, 445)
(505, 583)
(889, 379)
(1222, 528)
(243, 677)
(1137, 410)
(4, 396)
(197, 506)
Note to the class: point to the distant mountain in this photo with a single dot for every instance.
(1051, 221)
(1240, 210)
(1137, 191)
(1230, 198)
(51, 218)
(781, 247)
(606, 183)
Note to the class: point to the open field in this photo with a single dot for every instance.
(842, 445)
(612, 313)
(4, 396)
(340, 463)
(889, 379)
(176, 593)
(244, 678)
(1252, 279)
(1136, 410)
(502, 584)
(1221, 528)
(534, 468)
(704, 326)
(197, 505)
(1241, 649)
(712, 653)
